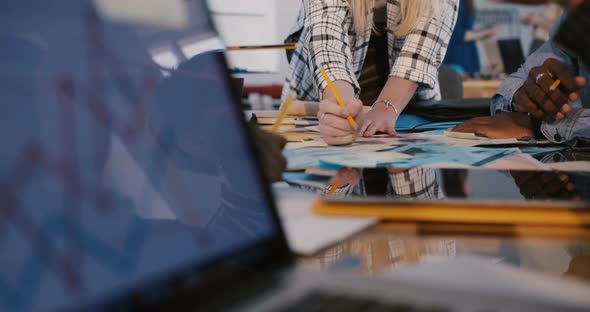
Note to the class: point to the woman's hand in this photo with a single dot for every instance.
(393, 99)
(380, 119)
(334, 126)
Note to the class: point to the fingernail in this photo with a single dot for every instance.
(563, 177)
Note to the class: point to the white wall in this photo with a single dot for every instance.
(255, 22)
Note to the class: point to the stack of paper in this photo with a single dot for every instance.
(267, 119)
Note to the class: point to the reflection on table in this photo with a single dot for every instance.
(558, 251)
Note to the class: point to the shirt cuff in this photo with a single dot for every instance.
(335, 73)
(566, 130)
(502, 99)
(425, 76)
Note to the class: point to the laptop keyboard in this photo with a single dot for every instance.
(317, 301)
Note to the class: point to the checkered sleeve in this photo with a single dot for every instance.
(424, 48)
(328, 22)
(415, 183)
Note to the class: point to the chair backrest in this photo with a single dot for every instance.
(512, 54)
(451, 83)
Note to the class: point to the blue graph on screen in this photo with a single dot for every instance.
(47, 257)
(33, 270)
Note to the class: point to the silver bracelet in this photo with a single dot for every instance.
(388, 104)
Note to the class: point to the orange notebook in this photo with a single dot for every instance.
(463, 213)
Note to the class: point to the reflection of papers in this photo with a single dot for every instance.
(485, 276)
(583, 166)
(171, 198)
(134, 184)
(162, 13)
(363, 160)
(306, 232)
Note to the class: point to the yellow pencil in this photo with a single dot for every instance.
(334, 187)
(338, 98)
(554, 85)
(282, 114)
(338, 182)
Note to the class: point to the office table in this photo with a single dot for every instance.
(387, 246)
(391, 246)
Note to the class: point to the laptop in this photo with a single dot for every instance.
(127, 185)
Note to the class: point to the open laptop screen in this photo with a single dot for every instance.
(123, 157)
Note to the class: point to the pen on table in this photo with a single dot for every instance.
(282, 114)
(554, 86)
(351, 120)
(286, 46)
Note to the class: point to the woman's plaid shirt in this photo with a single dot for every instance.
(327, 39)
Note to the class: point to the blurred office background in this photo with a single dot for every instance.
(259, 22)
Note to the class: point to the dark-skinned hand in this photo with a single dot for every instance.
(500, 126)
(545, 185)
(269, 148)
(536, 96)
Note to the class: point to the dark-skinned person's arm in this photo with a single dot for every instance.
(530, 89)
(545, 185)
(269, 148)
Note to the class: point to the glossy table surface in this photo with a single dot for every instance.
(389, 246)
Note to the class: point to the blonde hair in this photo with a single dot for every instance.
(410, 12)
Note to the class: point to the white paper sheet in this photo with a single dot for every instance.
(306, 232)
(583, 166)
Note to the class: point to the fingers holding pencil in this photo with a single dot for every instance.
(335, 128)
(337, 114)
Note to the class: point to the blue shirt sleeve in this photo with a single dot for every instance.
(574, 129)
